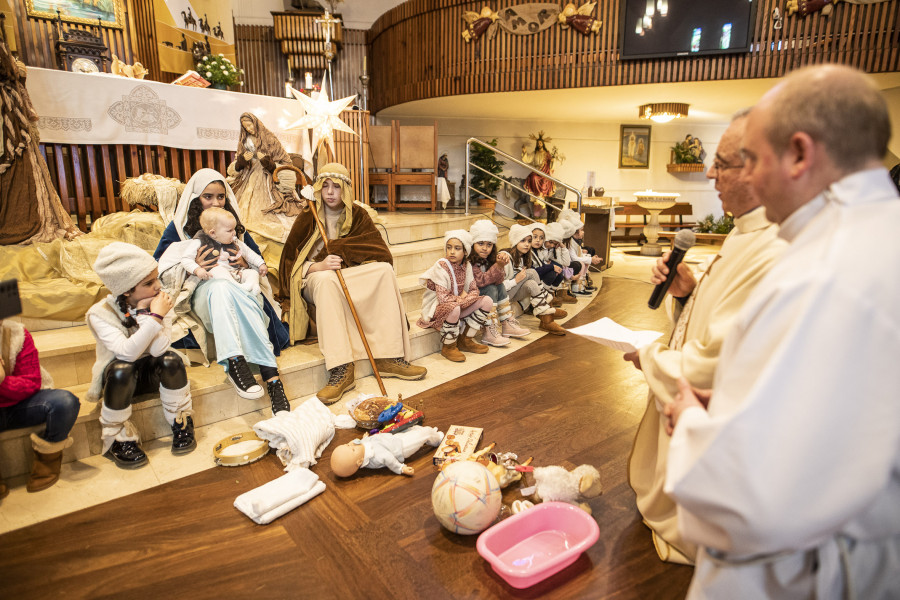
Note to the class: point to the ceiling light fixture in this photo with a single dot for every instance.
(663, 112)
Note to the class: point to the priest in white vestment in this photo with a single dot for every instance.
(790, 483)
(711, 306)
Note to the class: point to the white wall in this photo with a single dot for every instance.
(591, 147)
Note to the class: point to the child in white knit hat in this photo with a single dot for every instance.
(523, 284)
(557, 254)
(133, 355)
(451, 296)
(549, 273)
(580, 260)
(488, 269)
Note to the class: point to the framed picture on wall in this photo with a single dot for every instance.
(634, 147)
(110, 12)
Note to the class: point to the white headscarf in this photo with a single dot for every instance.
(194, 188)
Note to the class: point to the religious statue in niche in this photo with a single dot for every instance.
(544, 159)
(266, 208)
(580, 18)
(30, 208)
(479, 23)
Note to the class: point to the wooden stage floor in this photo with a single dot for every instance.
(563, 400)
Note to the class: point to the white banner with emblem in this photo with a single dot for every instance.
(80, 108)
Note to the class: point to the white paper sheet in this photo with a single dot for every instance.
(609, 333)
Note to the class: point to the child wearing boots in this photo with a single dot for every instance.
(488, 270)
(549, 273)
(523, 284)
(217, 231)
(27, 399)
(578, 246)
(558, 255)
(133, 355)
(451, 299)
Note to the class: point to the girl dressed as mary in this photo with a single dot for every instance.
(265, 208)
(247, 328)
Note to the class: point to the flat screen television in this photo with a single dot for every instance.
(653, 28)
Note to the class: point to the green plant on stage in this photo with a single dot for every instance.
(215, 68)
(710, 224)
(487, 160)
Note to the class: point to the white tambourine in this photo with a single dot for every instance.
(231, 459)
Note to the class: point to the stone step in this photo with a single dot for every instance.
(69, 353)
(302, 370)
(402, 228)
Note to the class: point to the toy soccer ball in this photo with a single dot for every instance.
(466, 497)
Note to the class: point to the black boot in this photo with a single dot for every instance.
(183, 436)
(127, 455)
(277, 396)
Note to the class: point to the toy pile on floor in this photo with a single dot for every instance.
(468, 494)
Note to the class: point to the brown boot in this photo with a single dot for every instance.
(565, 297)
(468, 344)
(47, 462)
(452, 353)
(555, 302)
(340, 379)
(4, 491)
(551, 326)
(559, 314)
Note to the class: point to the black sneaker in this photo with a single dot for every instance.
(242, 379)
(183, 436)
(127, 455)
(277, 396)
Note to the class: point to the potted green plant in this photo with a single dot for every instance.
(487, 160)
(710, 224)
(219, 71)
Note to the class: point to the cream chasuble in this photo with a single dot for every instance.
(790, 482)
(746, 256)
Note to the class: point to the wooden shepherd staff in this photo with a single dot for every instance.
(311, 206)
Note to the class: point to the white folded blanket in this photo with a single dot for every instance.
(271, 500)
(299, 436)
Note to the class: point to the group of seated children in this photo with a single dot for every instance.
(471, 289)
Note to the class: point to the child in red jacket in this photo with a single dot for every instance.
(27, 399)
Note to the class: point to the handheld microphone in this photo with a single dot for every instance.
(684, 239)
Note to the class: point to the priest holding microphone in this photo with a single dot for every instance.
(703, 311)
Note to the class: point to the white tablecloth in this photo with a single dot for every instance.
(78, 108)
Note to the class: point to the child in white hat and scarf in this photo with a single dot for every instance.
(488, 270)
(133, 355)
(523, 284)
(452, 298)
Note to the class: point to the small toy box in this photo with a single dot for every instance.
(459, 443)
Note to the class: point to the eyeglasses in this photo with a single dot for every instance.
(720, 166)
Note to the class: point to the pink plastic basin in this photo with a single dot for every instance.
(534, 544)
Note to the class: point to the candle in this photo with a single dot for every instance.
(309, 84)
(364, 64)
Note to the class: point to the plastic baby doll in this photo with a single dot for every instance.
(383, 450)
(217, 231)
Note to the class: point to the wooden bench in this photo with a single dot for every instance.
(631, 216)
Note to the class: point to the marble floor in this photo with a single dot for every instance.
(96, 479)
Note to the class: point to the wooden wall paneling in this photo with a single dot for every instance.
(78, 182)
(146, 152)
(109, 194)
(135, 164)
(186, 171)
(559, 59)
(93, 176)
(221, 163)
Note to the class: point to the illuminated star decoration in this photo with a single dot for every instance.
(322, 116)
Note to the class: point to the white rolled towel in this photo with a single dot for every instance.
(276, 498)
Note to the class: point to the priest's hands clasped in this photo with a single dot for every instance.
(687, 397)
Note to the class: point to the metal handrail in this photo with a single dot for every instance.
(547, 203)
